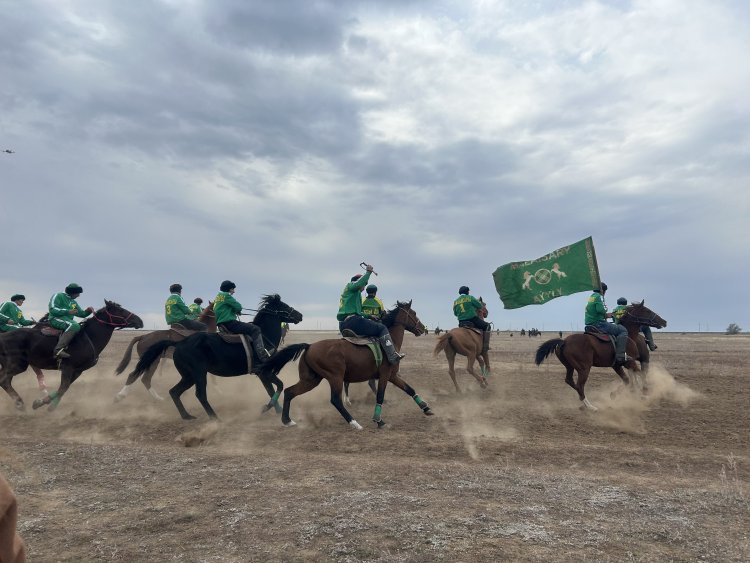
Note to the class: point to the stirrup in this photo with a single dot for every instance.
(61, 353)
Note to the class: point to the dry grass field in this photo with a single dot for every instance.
(514, 472)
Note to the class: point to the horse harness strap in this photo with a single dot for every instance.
(243, 339)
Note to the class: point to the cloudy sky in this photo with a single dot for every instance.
(278, 144)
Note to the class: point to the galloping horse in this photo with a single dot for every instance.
(29, 347)
(580, 352)
(466, 342)
(204, 353)
(339, 361)
(145, 341)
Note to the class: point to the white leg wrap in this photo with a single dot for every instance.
(155, 395)
(356, 425)
(589, 405)
(122, 393)
(290, 424)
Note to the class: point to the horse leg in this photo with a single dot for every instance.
(6, 385)
(347, 400)
(451, 367)
(583, 375)
(175, 392)
(299, 388)
(470, 368)
(67, 377)
(379, 398)
(337, 387)
(406, 388)
(40, 380)
(274, 394)
(486, 364)
(625, 380)
(202, 396)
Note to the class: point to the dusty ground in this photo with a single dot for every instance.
(516, 472)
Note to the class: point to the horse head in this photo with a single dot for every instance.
(273, 305)
(404, 315)
(638, 313)
(114, 314)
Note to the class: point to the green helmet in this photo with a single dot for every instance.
(372, 288)
(622, 301)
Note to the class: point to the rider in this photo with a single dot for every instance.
(176, 312)
(372, 306)
(11, 315)
(227, 308)
(62, 308)
(597, 315)
(195, 308)
(619, 311)
(351, 317)
(467, 310)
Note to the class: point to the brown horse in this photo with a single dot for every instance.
(466, 342)
(579, 352)
(145, 341)
(340, 361)
(30, 347)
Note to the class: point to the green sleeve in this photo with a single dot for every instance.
(233, 304)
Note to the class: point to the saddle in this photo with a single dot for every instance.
(49, 330)
(181, 330)
(470, 326)
(370, 341)
(591, 330)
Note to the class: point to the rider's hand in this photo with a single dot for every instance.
(11, 322)
(369, 268)
(90, 309)
(72, 312)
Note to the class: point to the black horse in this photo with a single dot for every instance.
(203, 353)
(26, 347)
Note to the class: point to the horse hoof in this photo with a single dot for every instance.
(37, 404)
(51, 407)
(428, 411)
(354, 424)
(265, 409)
(20, 406)
(290, 424)
(188, 417)
(155, 395)
(380, 423)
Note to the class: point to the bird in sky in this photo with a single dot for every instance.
(9, 151)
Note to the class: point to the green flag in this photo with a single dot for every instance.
(565, 271)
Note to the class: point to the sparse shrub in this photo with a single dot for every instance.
(733, 328)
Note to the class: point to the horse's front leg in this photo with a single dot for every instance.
(40, 380)
(274, 394)
(380, 396)
(406, 388)
(470, 368)
(68, 376)
(485, 364)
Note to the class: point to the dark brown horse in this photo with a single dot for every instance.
(466, 342)
(579, 352)
(145, 341)
(29, 347)
(339, 361)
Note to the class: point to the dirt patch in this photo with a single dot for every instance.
(516, 471)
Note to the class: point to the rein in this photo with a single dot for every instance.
(409, 314)
(642, 320)
(111, 321)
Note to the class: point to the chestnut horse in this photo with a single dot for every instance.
(466, 342)
(339, 361)
(580, 352)
(145, 341)
(29, 347)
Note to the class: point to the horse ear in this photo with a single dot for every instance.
(107, 302)
(642, 302)
(410, 300)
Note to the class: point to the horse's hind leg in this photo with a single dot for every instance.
(274, 394)
(583, 375)
(6, 385)
(470, 368)
(299, 388)
(336, 390)
(406, 388)
(451, 355)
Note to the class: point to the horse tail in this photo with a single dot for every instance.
(442, 343)
(547, 348)
(149, 357)
(281, 358)
(128, 354)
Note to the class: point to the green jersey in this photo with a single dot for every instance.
(226, 307)
(10, 310)
(350, 302)
(373, 307)
(596, 310)
(60, 305)
(467, 307)
(175, 309)
(618, 313)
(195, 310)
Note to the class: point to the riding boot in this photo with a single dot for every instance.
(263, 354)
(62, 343)
(486, 341)
(651, 345)
(621, 343)
(391, 354)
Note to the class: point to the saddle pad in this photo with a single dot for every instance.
(601, 336)
(229, 337)
(50, 331)
(473, 329)
(371, 343)
(360, 340)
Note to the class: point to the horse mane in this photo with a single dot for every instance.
(390, 316)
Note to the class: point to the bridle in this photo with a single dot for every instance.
(112, 318)
(409, 313)
(641, 320)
